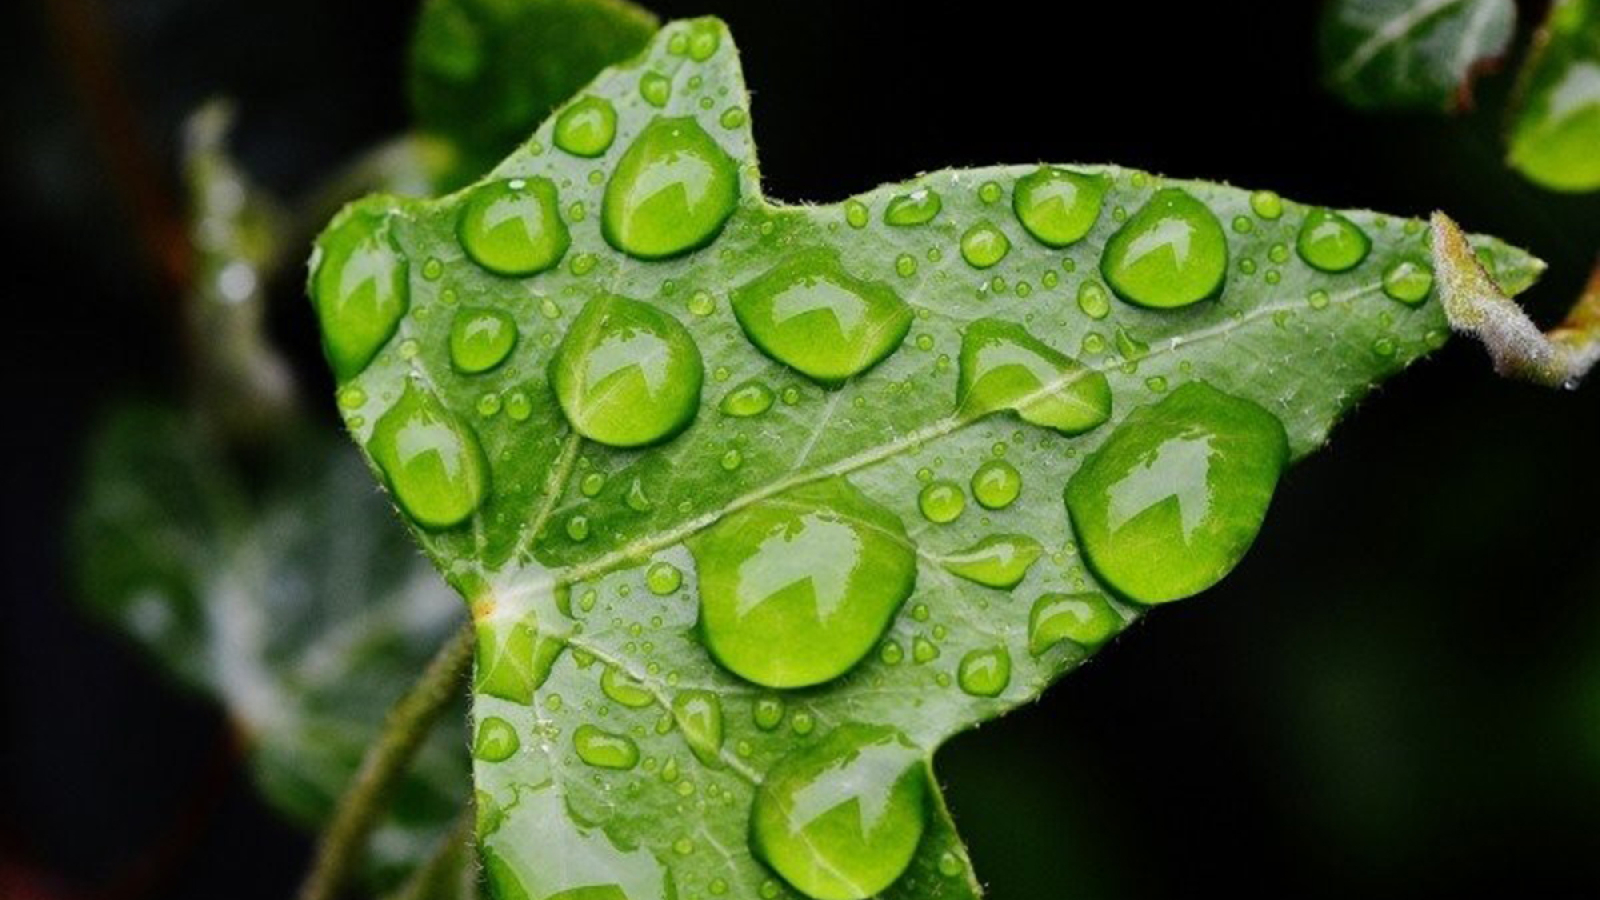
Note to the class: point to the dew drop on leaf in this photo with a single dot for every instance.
(512, 663)
(997, 561)
(941, 502)
(671, 192)
(983, 245)
(1169, 254)
(624, 688)
(985, 672)
(1169, 504)
(1058, 206)
(481, 339)
(796, 589)
(360, 289)
(1329, 242)
(604, 749)
(1408, 282)
(811, 315)
(663, 578)
(431, 461)
(749, 398)
(1005, 368)
(587, 127)
(841, 819)
(996, 484)
(1084, 618)
(699, 714)
(496, 740)
(917, 207)
(513, 227)
(627, 374)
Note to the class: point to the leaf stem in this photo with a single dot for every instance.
(449, 860)
(386, 760)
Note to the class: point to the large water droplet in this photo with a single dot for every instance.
(431, 461)
(481, 339)
(841, 819)
(997, 561)
(798, 588)
(604, 749)
(671, 192)
(699, 715)
(915, 208)
(513, 661)
(1170, 253)
(513, 227)
(1086, 619)
(1169, 504)
(360, 288)
(985, 672)
(1005, 368)
(996, 484)
(1058, 206)
(626, 373)
(1330, 242)
(811, 315)
(587, 128)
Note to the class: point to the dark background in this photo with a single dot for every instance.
(1397, 694)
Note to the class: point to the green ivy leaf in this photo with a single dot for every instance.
(1411, 54)
(757, 504)
(485, 72)
(1555, 126)
(293, 597)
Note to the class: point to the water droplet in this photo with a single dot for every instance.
(855, 213)
(1266, 204)
(997, 561)
(1169, 504)
(587, 128)
(655, 88)
(1005, 368)
(803, 723)
(750, 398)
(732, 117)
(578, 527)
(996, 484)
(941, 502)
(352, 397)
(905, 265)
(603, 749)
(841, 819)
(624, 688)
(915, 208)
(1318, 299)
(481, 339)
(514, 665)
(732, 459)
(985, 672)
(984, 245)
(1384, 347)
(663, 578)
(1058, 206)
(811, 315)
(1093, 301)
(671, 192)
(798, 588)
(431, 461)
(360, 288)
(627, 374)
(768, 711)
(513, 227)
(1408, 282)
(699, 714)
(703, 41)
(636, 499)
(1330, 242)
(1171, 253)
(1086, 619)
(923, 651)
(496, 740)
(1243, 225)
(949, 865)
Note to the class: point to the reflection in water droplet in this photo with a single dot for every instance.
(360, 288)
(1085, 618)
(1169, 254)
(983, 245)
(496, 740)
(655, 88)
(915, 208)
(699, 715)
(670, 193)
(750, 398)
(768, 711)
(603, 749)
(997, 561)
(624, 688)
(627, 374)
(481, 339)
(996, 484)
(1093, 301)
(811, 315)
(431, 461)
(798, 588)
(1169, 504)
(1408, 282)
(1005, 368)
(587, 127)
(513, 227)
(1266, 204)
(513, 661)
(841, 819)
(1330, 242)
(663, 578)
(1058, 206)
(985, 672)
(941, 502)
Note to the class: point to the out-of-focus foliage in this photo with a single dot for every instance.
(1555, 126)
(1411, 54)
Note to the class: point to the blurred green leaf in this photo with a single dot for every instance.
(701, 461)
(290, 594)
(1411, 54)
(485, 72)
(1555, 125)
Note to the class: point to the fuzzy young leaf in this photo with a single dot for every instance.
(302, 608)
(1555, 128)
(1411, 54)
(756, 504)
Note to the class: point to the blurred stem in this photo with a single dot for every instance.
(386, 760)
(447, 861)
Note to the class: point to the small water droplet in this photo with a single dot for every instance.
(663, 578)
(627, 374)
(1318, 299)
(1408, 281)
(1086, 619)
(671, 192)
(996, 484)
(587, 127)
(624, 688)
(905, 265)
(481, 339)
(1005, 368)
(1171, 253)
(513, 227)
(997, 561)
(603, 749)
(732, 117)
(655, 88)
(917, 207)
(985, 672)
(767, 711)
(1092, 299)
(1384, 347)
(1266, 204)
(750, 398)
(1330, 242)
(699, 714)
(496, 740)
(983, 245)
(941, 502)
